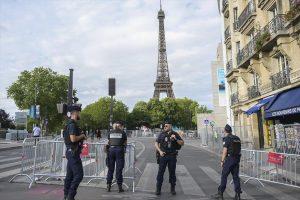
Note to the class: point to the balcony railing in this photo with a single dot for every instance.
(253, 92)
(234, 98)
(247, 13)
(273, 27)
(225, 5)
(229, 66)
(280, 79)
(294, 3)
(227, 33)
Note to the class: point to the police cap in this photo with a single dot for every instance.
(74, 107)
(228, 128)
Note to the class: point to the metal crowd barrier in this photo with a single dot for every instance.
(279, 168)
(45, 159)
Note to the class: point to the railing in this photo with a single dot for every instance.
(229, 66)
(253, 92)
(294, 3)
(234, 98)
(227, 33)
(247, 13)
(236, 25)
(275, 25)
(225, 5)
(280, 79)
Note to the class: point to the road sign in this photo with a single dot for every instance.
(212, 123)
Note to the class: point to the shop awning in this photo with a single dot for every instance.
(256, 107)
(285, 103)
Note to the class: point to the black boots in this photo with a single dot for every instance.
(173, 192)
(237, 196)
(108, 187)
(120, 188)
(218, 196)
(158, 190)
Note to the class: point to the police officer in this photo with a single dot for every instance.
(230, 163)
(117, 141)
(167, 145)
(73, 140)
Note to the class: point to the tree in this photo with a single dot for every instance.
(139, 115)
(5, 121)
(48, 87)
(96, 115)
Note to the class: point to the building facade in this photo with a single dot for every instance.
(262, 47)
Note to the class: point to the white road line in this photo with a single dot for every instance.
(216, 177)
(147, 181)
(188, 184)
(10, 165)
(10, 159)
(143, 149)
(9, 173)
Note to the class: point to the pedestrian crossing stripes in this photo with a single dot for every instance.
(216, 177)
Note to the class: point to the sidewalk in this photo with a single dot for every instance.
(7, 144)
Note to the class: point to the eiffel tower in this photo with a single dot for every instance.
(163, 84)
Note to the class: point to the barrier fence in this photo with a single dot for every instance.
(45, 160)
(279, 168)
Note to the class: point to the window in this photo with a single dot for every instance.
(235, 14)
(256, 79)
(283, 63)
(238, 47)
(273, 13)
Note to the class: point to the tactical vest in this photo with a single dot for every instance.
(169, 146)
(116, 138)
(66, 134)
(235, 146)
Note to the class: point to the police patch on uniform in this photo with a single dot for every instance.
(166, 139)
(115, 135)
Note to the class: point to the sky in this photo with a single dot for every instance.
(110, 38)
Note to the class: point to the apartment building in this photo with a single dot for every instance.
(262, 56)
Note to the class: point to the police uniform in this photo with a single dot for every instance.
(74, 166)
(169, 159)
(116, 151)
(231, 163)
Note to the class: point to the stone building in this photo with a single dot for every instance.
(262, 61)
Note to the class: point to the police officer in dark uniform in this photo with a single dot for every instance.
(117, 141)
(230, 163)
(167, 145)
(73, 140)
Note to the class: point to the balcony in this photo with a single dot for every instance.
(225, 9)
(266, 4)
(234, 98)
(229, 67)
(280, 80)
(263, 40)
(253, 92)
(227, 35)
(293, 15)
(246, 19)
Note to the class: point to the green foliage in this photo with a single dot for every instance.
(96, 115)
(261, 40)
(52, 89)
(5, 121)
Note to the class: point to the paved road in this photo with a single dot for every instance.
(198, 175)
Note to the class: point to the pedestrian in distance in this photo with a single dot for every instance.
(117, 141)
(98, 134)
(167, 145)
(230, 163)
(36, 131)
(73, 138)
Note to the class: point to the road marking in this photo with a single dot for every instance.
(10, 165)
(216, 177)
(143, 149)
(147, 181)
(9, 173)
(188, 184)
(10, 159)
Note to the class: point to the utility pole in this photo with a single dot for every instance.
(70, 89)
(111, 93)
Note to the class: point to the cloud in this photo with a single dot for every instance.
(110, 38)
